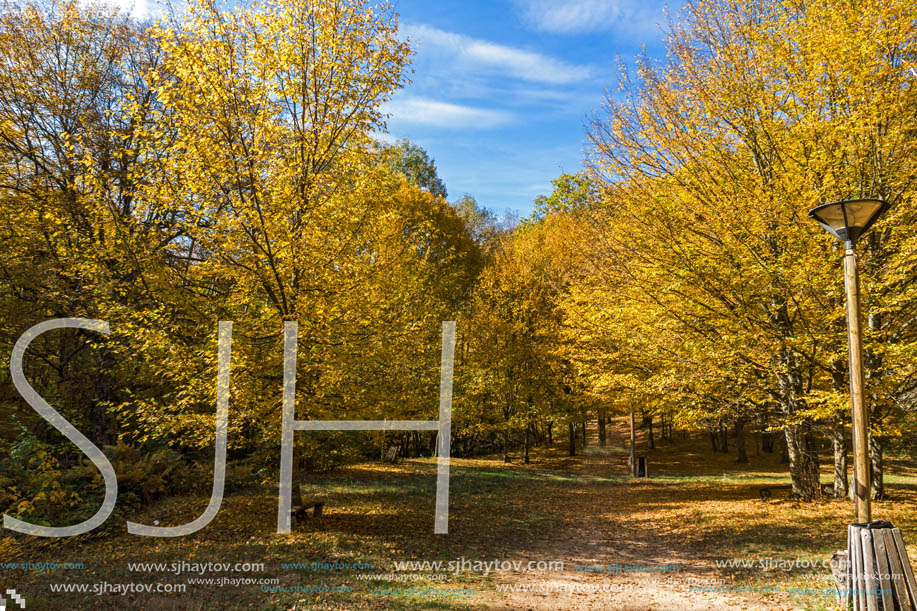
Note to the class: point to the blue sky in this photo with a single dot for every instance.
(502, 89)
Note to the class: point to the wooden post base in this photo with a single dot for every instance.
(878, 574)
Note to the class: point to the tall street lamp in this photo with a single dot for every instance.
(847, 221)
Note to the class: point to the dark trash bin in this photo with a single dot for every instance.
(641, 466)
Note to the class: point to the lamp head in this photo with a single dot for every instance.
(848, 220)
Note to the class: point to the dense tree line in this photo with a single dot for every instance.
(693, 285)
(217, 165)
(220, 164)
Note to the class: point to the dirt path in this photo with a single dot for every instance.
(603, 533)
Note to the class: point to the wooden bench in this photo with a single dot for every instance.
(301, 512)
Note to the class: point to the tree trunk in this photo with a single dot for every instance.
(572, 439)
(840, 459)
(602, 438)
(740, 440)
(767, 441)
(714, 441)
(295, 474)
(505, 446)
(526, 456)
(650, 443)
(584, 433)
(724, 437)
(100, 421)
(803, 462)
(875, 463)
(550, 433)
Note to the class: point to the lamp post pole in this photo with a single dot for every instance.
(861, 474)
(847, 221)
(870, 564)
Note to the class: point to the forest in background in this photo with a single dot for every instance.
(225, 164)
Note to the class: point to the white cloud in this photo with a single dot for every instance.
(570, 16)
(424, 111)
(385, 137)
(518, 63)
(135, 8)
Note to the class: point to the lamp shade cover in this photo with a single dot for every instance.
(848, 220)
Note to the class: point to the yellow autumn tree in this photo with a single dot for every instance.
(708, 165)
(219, 165)
(74, 104)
